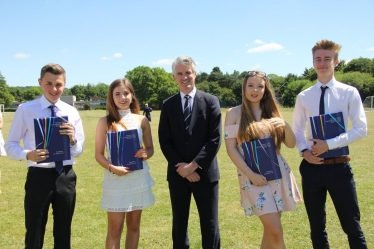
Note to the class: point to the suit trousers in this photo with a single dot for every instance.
(44, 187)
(206, 199)
(338, 180)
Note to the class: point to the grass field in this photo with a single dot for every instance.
(237, 230)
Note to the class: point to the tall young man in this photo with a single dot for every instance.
(190, 137)
(45, 183)
(333, 175)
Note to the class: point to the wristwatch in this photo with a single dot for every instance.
(302, 152)
(73, 143)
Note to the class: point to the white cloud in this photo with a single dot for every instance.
(371, 49)
(22, 55)
(65, 50)
(163, 62)
(266, 48)
(257, 41)
(256, 67)
(115, 56)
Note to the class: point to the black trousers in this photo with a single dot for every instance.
(44, 187)
(338, 180)
(206, 198)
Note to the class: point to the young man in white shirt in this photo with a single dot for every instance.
(45, 183)
(334, 175)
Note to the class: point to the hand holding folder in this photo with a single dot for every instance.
(261, 158)
(328, 126)
(122, 147)
(47, 136)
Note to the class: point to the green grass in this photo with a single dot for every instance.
(237, 230)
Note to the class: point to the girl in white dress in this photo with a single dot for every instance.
(2, 149)
(258, 117)
(125, 193)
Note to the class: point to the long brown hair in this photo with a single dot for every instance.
(111, 108)
(248, 129)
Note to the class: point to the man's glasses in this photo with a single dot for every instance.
(256, 73)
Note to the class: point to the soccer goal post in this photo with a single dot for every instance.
(369, 103)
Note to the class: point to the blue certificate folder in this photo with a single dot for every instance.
(261, 158)
(122, 146)
(47, 136)
(328, 126)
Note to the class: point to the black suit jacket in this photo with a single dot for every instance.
(202, 141)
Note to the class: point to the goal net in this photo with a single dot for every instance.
(369, 103)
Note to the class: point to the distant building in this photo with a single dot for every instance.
(15, 104)
(80, 104)
(70, 99)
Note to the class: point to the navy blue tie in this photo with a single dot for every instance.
(322, 101)
(187, 111)
(59, 164)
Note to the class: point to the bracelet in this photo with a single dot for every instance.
(109, 168)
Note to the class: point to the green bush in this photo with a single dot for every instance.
(10, 109)
(100, 107)
(87, 106)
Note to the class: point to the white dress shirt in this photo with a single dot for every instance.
(22, 128)
(191, 94)
(338, 97)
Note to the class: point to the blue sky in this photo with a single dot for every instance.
(99, 41)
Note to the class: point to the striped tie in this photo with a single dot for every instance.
(187, 111)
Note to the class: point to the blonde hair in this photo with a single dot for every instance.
(327, 45)
(248, 127)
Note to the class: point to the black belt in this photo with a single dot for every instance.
(66, 169)
(335, 160)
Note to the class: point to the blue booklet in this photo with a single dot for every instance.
(328, 126)
(122, 147)
(47, 136)
(261, 157)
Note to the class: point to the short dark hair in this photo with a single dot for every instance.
(52, 68)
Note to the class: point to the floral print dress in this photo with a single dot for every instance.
(276, 196)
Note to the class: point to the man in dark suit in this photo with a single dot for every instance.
(190, 137)
(147, 112)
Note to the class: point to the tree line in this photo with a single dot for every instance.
(153, 85)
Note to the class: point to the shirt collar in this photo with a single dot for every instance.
(192, 93)
(45, 103)
(330, 84)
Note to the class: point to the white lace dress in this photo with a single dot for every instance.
(132, 191)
